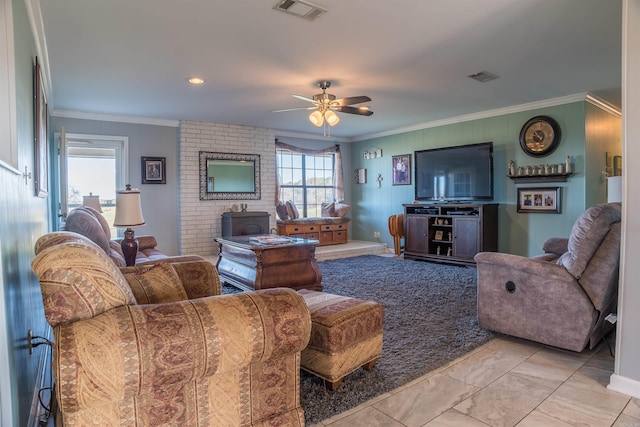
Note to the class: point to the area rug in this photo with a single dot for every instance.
(430, 320)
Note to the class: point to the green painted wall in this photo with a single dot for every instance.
(519, 233)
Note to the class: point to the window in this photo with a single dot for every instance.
(306, 179)
(462, 184)
(92, 165)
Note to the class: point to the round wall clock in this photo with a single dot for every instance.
(540, 136)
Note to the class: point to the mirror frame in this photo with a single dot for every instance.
(249, 195)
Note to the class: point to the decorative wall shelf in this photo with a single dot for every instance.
(555, 177)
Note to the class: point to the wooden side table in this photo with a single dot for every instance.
(248, 263)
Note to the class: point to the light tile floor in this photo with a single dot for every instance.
(506, 382)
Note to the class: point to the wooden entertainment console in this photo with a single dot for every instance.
(451, 232)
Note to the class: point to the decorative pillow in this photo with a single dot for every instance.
(281, 210)
(342, 209)
(292, 210)
(155, 284)
(328, 209)
(79, 281)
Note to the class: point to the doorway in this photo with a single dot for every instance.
(92, 167)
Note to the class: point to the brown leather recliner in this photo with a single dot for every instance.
(561, 298)
(91, 224)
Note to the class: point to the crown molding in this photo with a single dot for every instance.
(496, 112)
(115, 118)
(604, 105)
(37, 29)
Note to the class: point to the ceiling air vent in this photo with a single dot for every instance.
(300, 8)
(483, 76)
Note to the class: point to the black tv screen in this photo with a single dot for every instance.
(455, 173)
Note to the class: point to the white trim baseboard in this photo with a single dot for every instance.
(624, 385)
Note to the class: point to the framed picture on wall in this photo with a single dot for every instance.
(154, 170)
(545, 200)
(401, 169)
(42, 146)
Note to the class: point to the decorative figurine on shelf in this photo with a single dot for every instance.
(438, 250)
(567, 165)
(560, 168)
(450, 236)
(512, 168)
(449, 252)
(520, 171)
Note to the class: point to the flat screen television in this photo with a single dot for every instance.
(454, 174)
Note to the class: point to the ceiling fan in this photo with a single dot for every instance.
(326, 105)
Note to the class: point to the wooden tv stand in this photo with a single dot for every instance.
(451, 232)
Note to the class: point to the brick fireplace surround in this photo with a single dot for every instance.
(200, 220)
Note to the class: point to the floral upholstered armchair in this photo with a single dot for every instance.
(157, 345)
(563, 297)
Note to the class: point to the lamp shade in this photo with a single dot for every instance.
(128, 208)
(331, 118)
(614, 189)
(92, 201)
(316, 118)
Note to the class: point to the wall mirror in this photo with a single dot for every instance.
(229, 176)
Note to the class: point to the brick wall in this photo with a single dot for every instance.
(200, 220)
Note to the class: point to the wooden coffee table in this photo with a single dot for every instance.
(268, 261)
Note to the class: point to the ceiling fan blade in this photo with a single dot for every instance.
(304, 98)
(351, 100)
(354, 110)
(295, 109)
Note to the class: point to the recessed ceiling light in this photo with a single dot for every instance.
(196, 80)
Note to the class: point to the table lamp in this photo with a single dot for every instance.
(92, 202)
(128, 214)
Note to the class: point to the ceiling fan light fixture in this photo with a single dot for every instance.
(316, 118)
(331, 118)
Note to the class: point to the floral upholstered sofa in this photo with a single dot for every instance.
(157, 345)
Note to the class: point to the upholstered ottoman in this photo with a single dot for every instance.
(346, 333)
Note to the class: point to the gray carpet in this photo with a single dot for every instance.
(430, 319)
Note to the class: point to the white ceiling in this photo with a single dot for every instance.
(412, 57)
